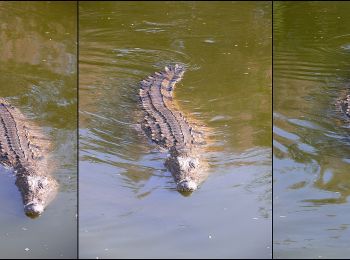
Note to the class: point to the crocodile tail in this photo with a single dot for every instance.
(174, 74)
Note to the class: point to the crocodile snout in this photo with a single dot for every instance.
(33, 209)
(187, 186)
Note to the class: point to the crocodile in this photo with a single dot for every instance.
(166, 126)
(24, 149)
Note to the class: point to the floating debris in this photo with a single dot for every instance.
(209, 41)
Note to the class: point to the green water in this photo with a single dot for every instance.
(311, 138)
(129, 206)
(38, 75)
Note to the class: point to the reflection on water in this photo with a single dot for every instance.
(38, 75)
(311, 136)
(37, 39)
(128, 201)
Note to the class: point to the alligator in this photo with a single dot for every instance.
(24, 149)
(165, 125)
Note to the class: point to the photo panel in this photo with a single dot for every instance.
(38, 130)
(311, 129)
(175, 129)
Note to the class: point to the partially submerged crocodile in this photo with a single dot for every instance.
(167, 127)
(24, 148)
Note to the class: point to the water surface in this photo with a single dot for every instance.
(129, 206)
(311, 137)
(38, 75)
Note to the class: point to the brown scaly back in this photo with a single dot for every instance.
(21, 141)
(163, 122)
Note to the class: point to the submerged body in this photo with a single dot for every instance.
(167, 127)
(24, 149)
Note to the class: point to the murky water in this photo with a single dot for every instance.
(38, 75)
(311, 138)
(129, 206)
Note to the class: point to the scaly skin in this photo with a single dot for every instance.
(168, 128)
(24, 148)
(344, 105)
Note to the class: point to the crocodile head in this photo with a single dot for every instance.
(37, 192)
(186, 170)
(187, 175)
